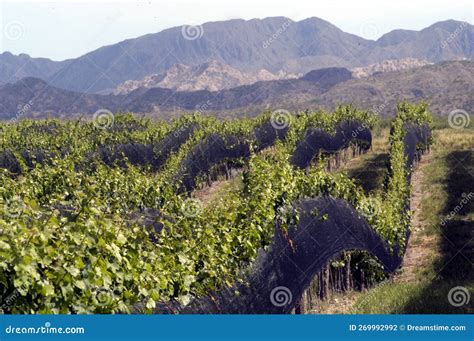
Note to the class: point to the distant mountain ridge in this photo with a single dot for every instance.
(41, 98)
(446, 86)
(274, 44)
(14, 68)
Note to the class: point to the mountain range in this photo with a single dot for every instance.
(241, 65)
(446, 86)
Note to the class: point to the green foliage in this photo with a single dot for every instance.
(70, 242)
(389, 215)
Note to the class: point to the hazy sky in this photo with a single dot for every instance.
(66, 29)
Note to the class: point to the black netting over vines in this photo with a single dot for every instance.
(48, 128)
(37, 156)
(266, 135)
(216, 149)
(319, 141)
(415, 141)
(213, 150)
(327, 228)
(10, 162)
(294, 258)
(138, 154)
(172, 142)
(135, 153)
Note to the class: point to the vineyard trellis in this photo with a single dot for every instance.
(102, 238)
(327, 227)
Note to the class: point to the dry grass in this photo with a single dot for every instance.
(369, 170)
(438, 257)
(218, 189)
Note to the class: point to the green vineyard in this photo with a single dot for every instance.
(107, 216)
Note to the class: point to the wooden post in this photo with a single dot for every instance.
(347, 275)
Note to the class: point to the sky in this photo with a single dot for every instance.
(67, 29)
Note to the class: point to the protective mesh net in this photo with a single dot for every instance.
(213, 150)
(10, 162)
(278, 278)
(138, 154)
(318, 141)
(216, 149)
(415, 141)
(266, 135)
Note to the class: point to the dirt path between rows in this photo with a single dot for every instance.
(421, 247)
(208, 193)
(420, 250)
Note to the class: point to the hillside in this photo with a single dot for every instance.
(14, 68)
(41, 98)
(388, 66)
(212, 76)
(250, 46)
(446, 86)
(276, 44)
(445, 40)
(33, 97)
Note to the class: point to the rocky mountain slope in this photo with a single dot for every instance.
(446, 86)
(211, 76)
(388, 66)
